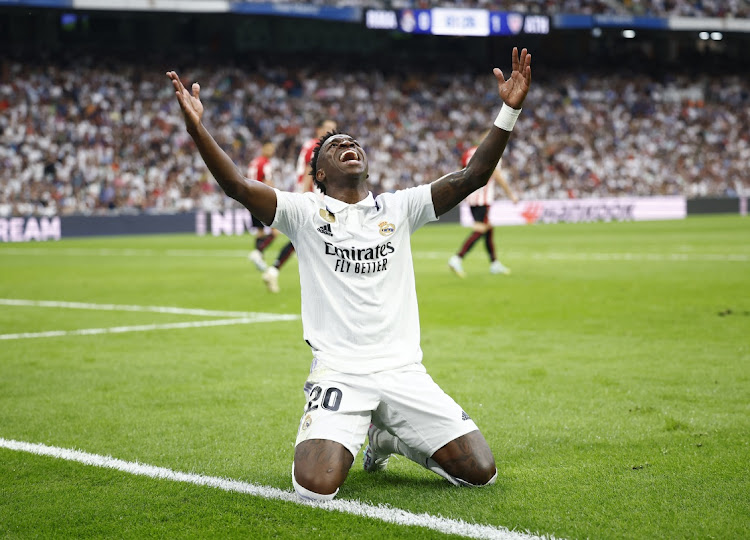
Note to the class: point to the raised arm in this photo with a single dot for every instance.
(257, 197)
(452, 188)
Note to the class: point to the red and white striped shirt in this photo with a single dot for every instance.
(260, 169)
(303, 164)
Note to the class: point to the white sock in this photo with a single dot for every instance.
(392, 444)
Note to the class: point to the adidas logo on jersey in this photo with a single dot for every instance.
(325, 229)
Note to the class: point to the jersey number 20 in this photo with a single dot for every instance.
(331, 399)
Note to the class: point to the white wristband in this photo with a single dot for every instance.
(507, 117)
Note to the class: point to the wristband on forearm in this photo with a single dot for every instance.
(507, 117)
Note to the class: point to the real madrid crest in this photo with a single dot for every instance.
(306, 422)
(327, 216)
(386, 229)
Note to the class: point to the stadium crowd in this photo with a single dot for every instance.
(653, 8)
(87, 139)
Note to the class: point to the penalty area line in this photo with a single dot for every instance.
(353, 507)
(20, 302)
(260, 317)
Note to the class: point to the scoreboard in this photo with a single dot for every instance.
(457, 22)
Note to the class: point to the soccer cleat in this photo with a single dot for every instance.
(497, 268)
(455, 264)
(374, 461)
(271, 279)
(257, 258)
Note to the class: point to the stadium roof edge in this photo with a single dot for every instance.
(355, 14)
(192, 6)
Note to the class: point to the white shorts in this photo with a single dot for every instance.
(406, 401)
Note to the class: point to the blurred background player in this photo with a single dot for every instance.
(479, 203)
(304, 184)
(304, 171)
(261, 169)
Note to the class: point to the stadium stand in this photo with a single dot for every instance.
(88, 140)
(89, 133)
(654, 8)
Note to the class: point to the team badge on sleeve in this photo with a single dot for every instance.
(386, 229)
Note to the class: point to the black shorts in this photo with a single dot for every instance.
(480, 213)
(258, 224)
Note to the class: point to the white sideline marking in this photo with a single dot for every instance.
(262, 317)
(382, 513)
(676, 257)
(117, 307)
(659, 257)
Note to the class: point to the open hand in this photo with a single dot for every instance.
(514, 90)
(191, 105)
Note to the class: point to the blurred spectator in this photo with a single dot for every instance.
(93, 140)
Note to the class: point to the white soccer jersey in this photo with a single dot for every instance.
(359, 301)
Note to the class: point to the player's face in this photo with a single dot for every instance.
(341, 156)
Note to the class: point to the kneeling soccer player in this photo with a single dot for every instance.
(359, 303)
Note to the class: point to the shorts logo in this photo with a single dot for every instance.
(386, 229)
(327, 216)
(465, 416)
(325, 229)
(306, 422)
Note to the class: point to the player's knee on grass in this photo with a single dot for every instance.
(481, 473)
(319, 468)
(310, 485)
(309, 495)
(489, 482)
(479, 478)
(467, 461)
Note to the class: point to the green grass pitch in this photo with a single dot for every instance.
(610, 373)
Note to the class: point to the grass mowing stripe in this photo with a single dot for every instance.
(604, 257)
(382, 513)
(655, 257)
(558, 256)
(149, 309)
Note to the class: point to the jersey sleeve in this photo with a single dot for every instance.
(290, 212)
(417, 203)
